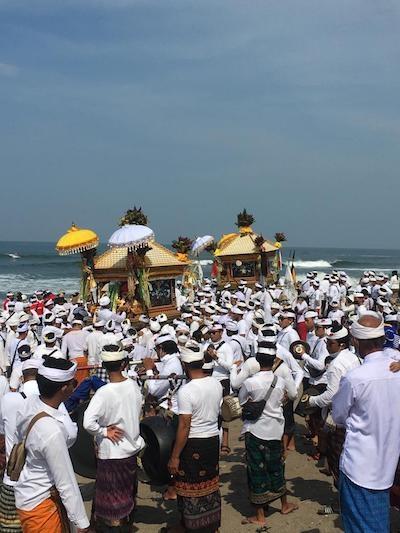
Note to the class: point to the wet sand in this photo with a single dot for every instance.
(306, 486)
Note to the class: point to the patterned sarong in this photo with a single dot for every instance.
(115, 492)
(265, 469)
(9, 520)
(197, 485)
(363, 510)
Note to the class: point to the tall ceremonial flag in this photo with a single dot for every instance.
(289, 285)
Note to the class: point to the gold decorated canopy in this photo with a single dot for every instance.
(242, 243)
(77, 240)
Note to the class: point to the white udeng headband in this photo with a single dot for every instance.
(267, 351)
(55, 374)
(359, 331)
(340, 334)
(267, 338)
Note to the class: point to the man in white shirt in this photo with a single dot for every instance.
(300, 308)
(49, 347)
(314, 367)
(366, 404)
(343, 361)
(263, 436)
(195, 457)
(16, 341)
(287, 335)
(113, 416)
(315, 297)
(222, 354)
(167, 351)
(105, 313)
(311, 338)
(74, 347)
(336, 314)
(11, 403)
(48, 464)
(237, 342)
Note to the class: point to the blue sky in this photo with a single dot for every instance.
(196, 109)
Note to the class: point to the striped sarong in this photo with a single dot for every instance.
(9, 520)
(197, 485)
(265, 469)
(363, 510)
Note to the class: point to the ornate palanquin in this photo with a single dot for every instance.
(161, 266)
(239, 256)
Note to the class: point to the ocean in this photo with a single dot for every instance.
(40, 267)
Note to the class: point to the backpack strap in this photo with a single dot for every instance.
(37, 417)
(23, 395)
(271, 388)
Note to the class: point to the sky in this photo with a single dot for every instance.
(195, 109)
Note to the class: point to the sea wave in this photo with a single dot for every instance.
(321, 263)
(28, 284)
(360, 265)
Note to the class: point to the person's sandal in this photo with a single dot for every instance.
(327, 510)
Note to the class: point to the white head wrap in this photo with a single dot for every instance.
(104, 301)
(340, 334)
(114, 354)
(266, 351)
(191, 352)
(164, 338)
(361, 332)
(56, 374)
(32, 363)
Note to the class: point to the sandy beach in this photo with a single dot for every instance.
(306, 485)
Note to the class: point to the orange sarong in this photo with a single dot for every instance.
(81, 374)
(47, 517)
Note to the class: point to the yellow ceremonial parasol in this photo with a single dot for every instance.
(77, 240)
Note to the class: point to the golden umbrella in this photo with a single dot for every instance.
(77, 240)
(85, 242)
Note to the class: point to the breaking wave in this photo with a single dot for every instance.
(312, 264)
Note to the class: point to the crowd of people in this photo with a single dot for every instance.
(328, 351)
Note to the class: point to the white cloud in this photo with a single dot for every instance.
(9, 71)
